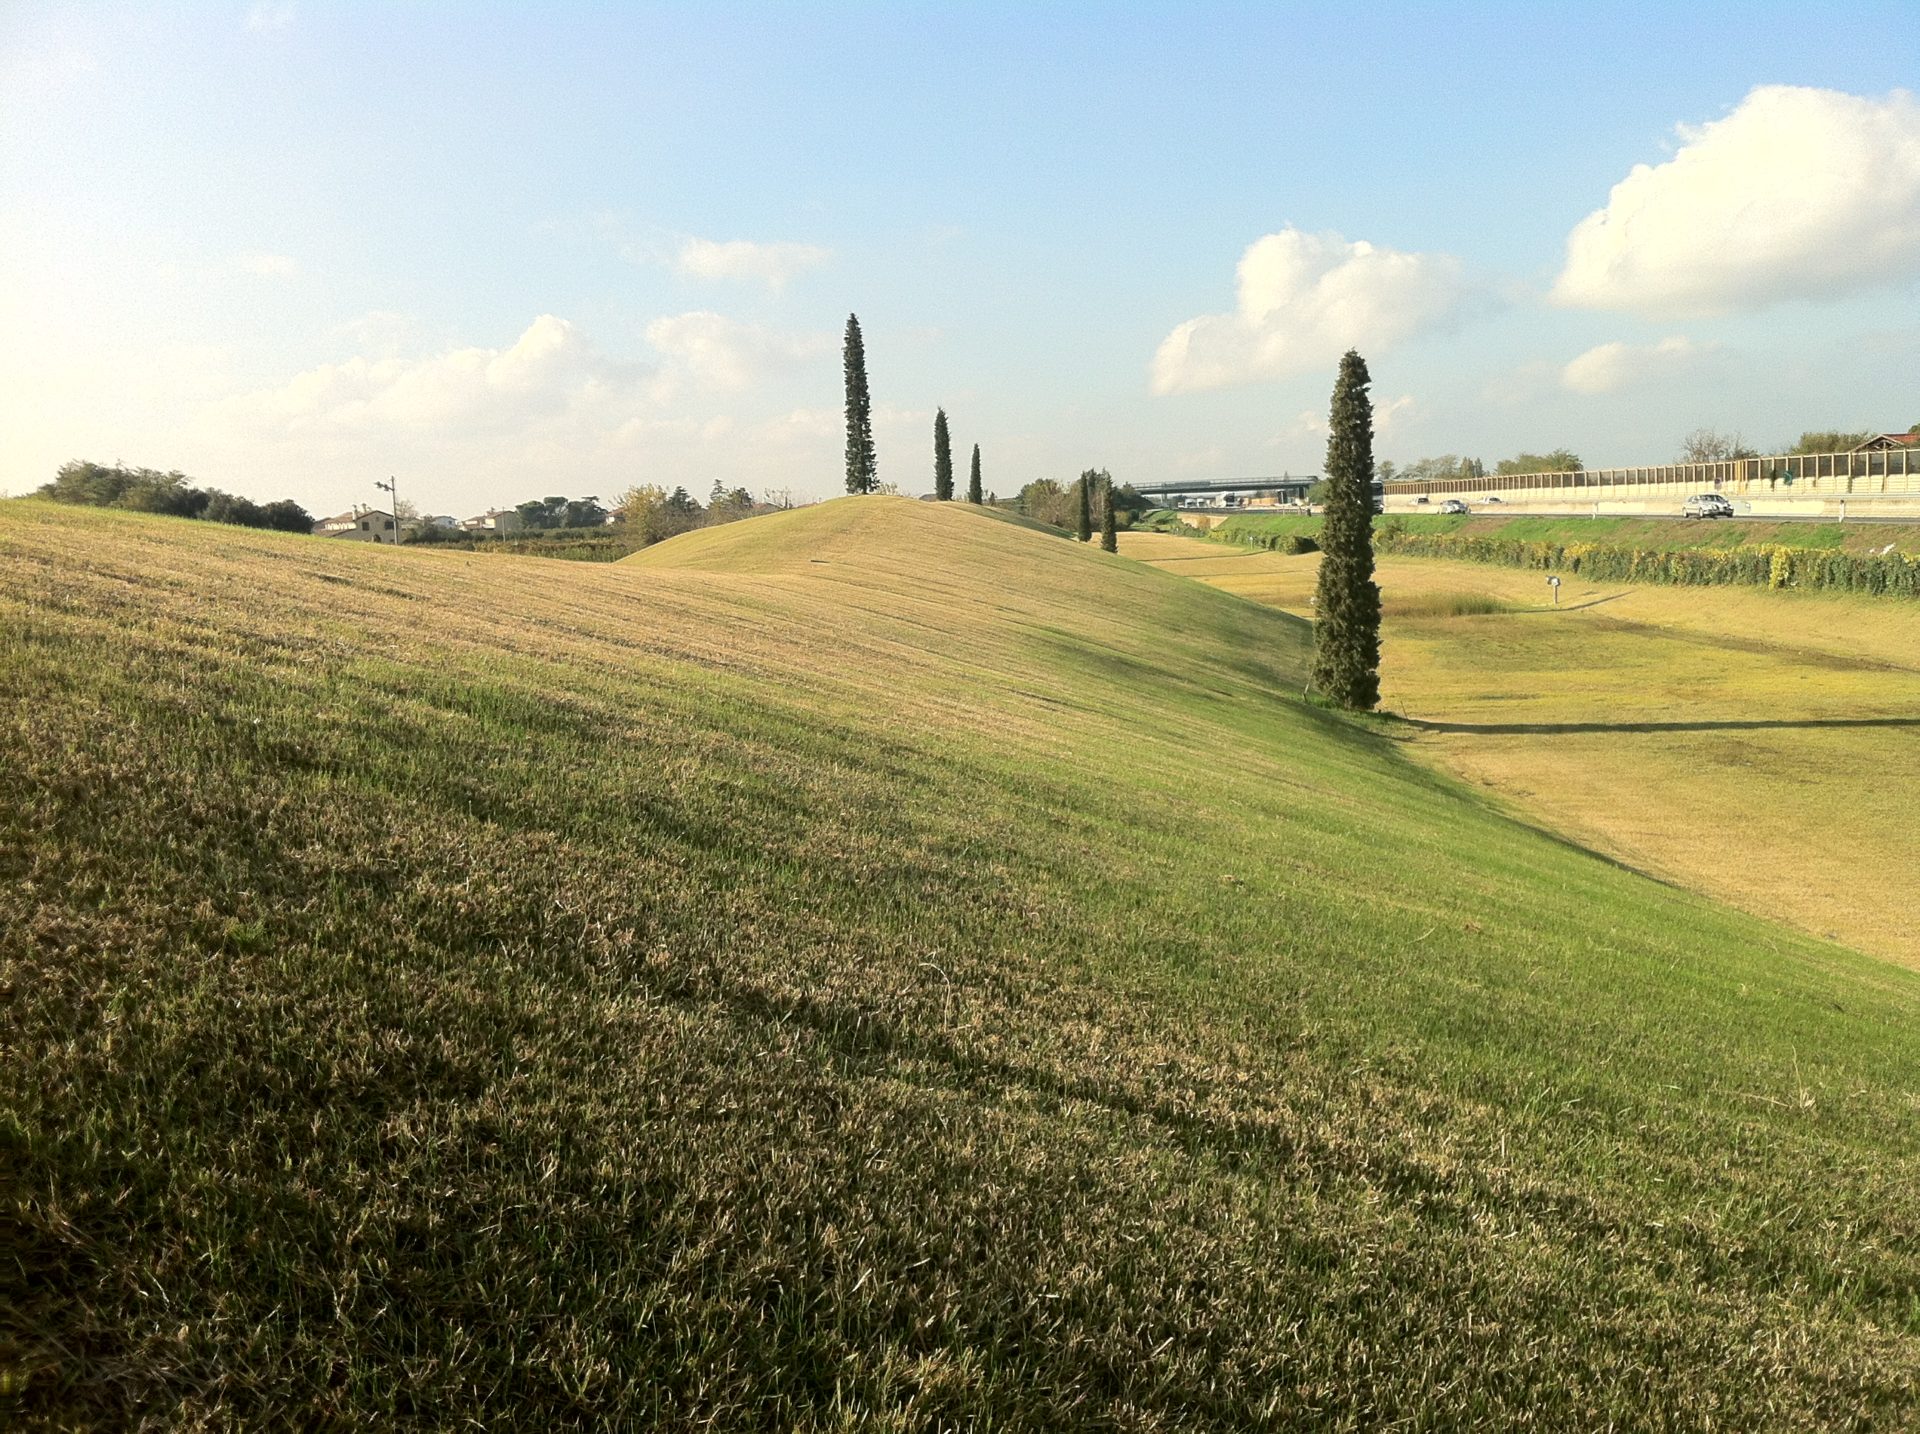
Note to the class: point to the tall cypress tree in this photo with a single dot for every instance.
(973, 480)
(1084, 529)
(862, 472)
(1346, 630)
(1108, 538)
(942, 458)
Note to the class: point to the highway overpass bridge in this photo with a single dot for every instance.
(1216, 492)
(1228, 492)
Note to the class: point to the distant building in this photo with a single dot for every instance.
(1888, 442)
(443, 520)
(499, 520)
(364, 525)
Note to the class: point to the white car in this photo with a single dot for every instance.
(1707, 505)
(1453, 505)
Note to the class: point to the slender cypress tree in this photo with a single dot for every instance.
(973, 480)
(1346, 630)
(1084, 529)
(1108, 538)
(862, 472)
(942, 458)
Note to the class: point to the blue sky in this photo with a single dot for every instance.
(291, 248)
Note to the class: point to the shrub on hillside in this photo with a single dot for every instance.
(147, 490)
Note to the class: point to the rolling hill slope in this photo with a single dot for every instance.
(813, 974)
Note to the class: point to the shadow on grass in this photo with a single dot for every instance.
(1569, 607)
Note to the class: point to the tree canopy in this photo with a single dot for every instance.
(1047, 501)
(560, 512)
(1829, 440)
(1560, 460)
(147, 490)
(1709, 445)
(1433, 470)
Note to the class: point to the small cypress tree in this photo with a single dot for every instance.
(1084, 528)
(1108, 538)
(942, 458)
(973, 480)
(1346, 630)
(862, 472)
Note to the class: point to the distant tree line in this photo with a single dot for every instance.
(543, 514)
(1453, 466)
(639, 517)
(649, 513)
(147, 490)
(1049, 501)
(1708, 445)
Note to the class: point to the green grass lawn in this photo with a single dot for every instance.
(871, 966)
(1742, 741)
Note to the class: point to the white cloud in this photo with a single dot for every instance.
(807, 425)
(1387, 412)
(1608, 367)
(549, 368)
(715, 352)
(270, 18)
(1312, 422)
(548, 411)
(383, 331)
(549, 371)
(1305, 299)
(769, 264)
(270, 266)
(1798, 193)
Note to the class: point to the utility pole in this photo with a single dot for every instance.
(393, 496)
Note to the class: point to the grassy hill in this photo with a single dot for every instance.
(869, 966)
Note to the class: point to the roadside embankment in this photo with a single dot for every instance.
(1826, 557)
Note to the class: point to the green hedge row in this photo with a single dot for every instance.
(1777, 566)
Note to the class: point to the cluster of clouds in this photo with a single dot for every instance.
(1796, 194)
(1610, 367)
(551, 369)
(774, 265)
(1305, 299)
(551, 396)
(551, 399)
